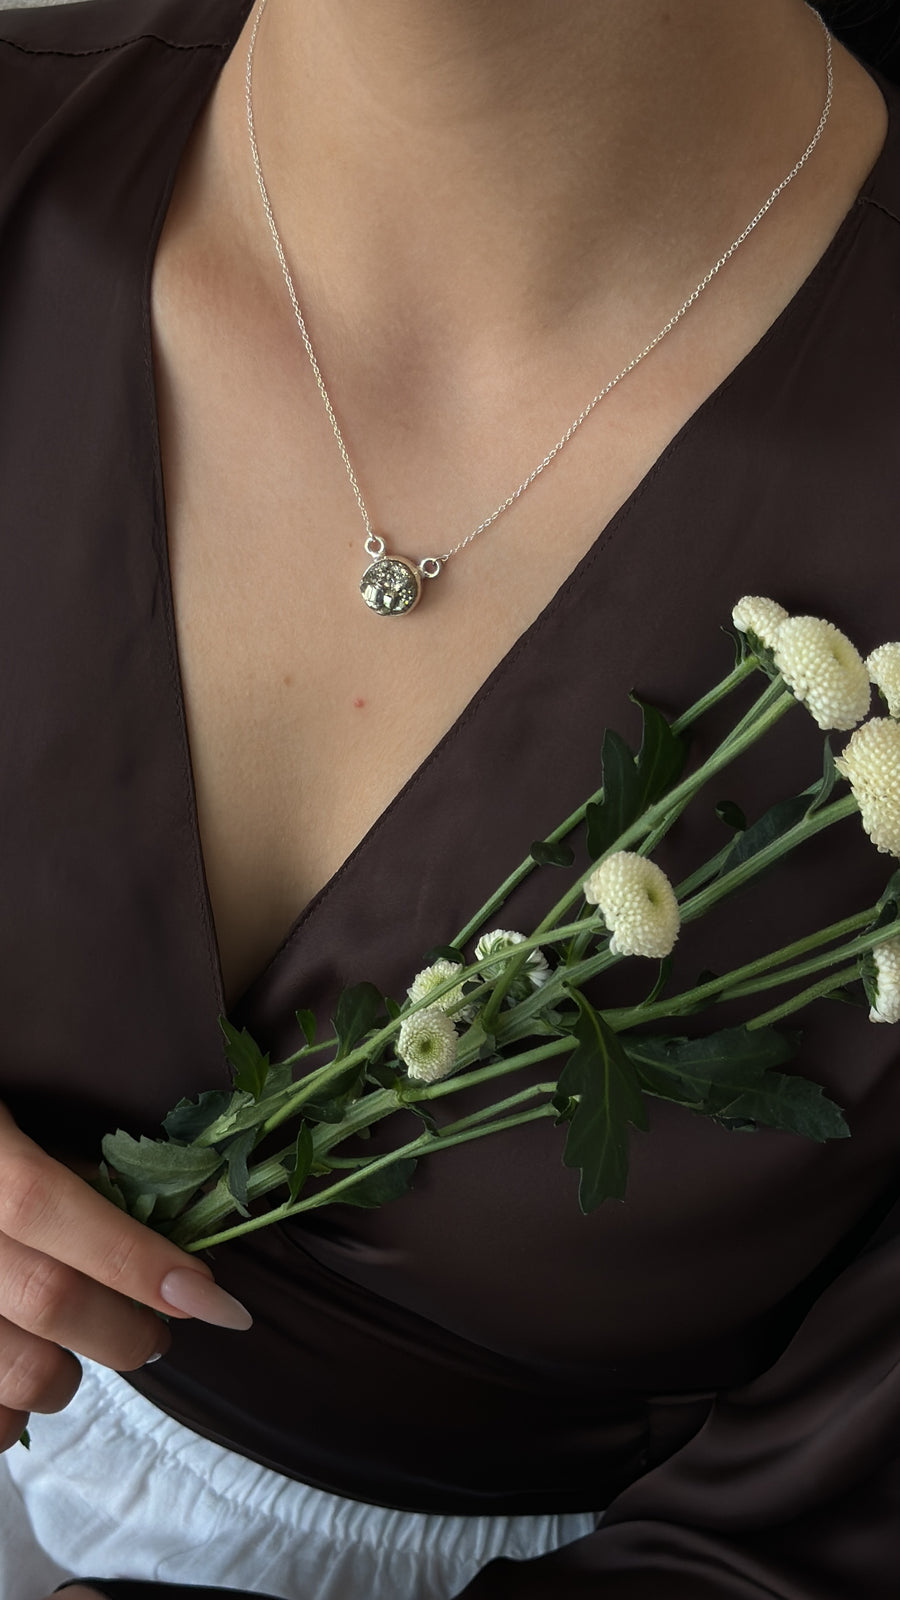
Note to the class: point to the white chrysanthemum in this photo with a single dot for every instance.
(883, 667)
(502, 941)
(824, 670)
(760, 617)
(430, 978)
(638, 905)
(426, 1044)
(871, 762)
(886, 961)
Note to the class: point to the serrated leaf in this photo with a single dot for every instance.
(356, 1012)
(731, 1074)
(600, 1076)
(389, 1183)
(793, 1105)
(302, 1161)
(159, 1166)
(307, 1022)
(731, 815)
(190, 1118)
(550, 853)
(250, 1067)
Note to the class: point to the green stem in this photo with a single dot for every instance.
(426, 1144)
(807, 828)
(721, 690)
(372, 1108)
(771, 705)
(816, 991)
(714, 989)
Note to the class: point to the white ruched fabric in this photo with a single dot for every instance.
(114, 1488)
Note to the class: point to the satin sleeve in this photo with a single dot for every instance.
(790, 1490)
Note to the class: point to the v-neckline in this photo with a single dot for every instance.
(654, 472)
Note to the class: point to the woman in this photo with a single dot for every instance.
(488, 211)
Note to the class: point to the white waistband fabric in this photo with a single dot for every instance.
(114, 1488)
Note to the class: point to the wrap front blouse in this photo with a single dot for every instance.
(715, 1361)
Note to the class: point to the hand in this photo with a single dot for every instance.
(71, 1266)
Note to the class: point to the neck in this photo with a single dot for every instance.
(518, 158)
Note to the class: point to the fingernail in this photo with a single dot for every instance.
(158, 1357)
(199, 1297)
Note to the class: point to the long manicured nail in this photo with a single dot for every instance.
(199, 1297)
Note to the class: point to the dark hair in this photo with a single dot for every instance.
(870, 28)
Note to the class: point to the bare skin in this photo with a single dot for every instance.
(488, 211)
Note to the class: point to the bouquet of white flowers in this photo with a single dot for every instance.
(495, 1005)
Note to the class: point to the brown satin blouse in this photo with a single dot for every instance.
(715, 1360)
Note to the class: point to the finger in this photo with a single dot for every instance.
(46, 1299)
(12, 1426)
(47, 1208)
(35, 1375)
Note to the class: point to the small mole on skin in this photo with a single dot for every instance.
(359, 704)
(287, 679)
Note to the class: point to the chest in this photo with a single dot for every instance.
(307, 713)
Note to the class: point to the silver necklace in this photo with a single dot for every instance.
(392, 584)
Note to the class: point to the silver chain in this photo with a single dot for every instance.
(430, 566)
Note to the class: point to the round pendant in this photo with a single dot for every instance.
(391, 586)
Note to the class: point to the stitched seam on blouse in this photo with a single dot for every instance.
(879, 205)
(120, 44)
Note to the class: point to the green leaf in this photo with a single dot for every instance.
(631, 784)
(298, 1169)
(357, 1010)
(389, 1183)
(392, 1008)
(158, 1166)
(793, 1105)
(891, 895)
(104, 1184)
(662, 978)
(444, 952)
(237, 1175)
(781, 817)
(423, 1113)
(731, 815)
(821, 792)
(192, 1117)
(731, 1074)
(609, 817)
(250, 1068)
(550, 853)
(600, 1076)
(25, 1438)
(661, 758)
(307, 1022)
(772, 825)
